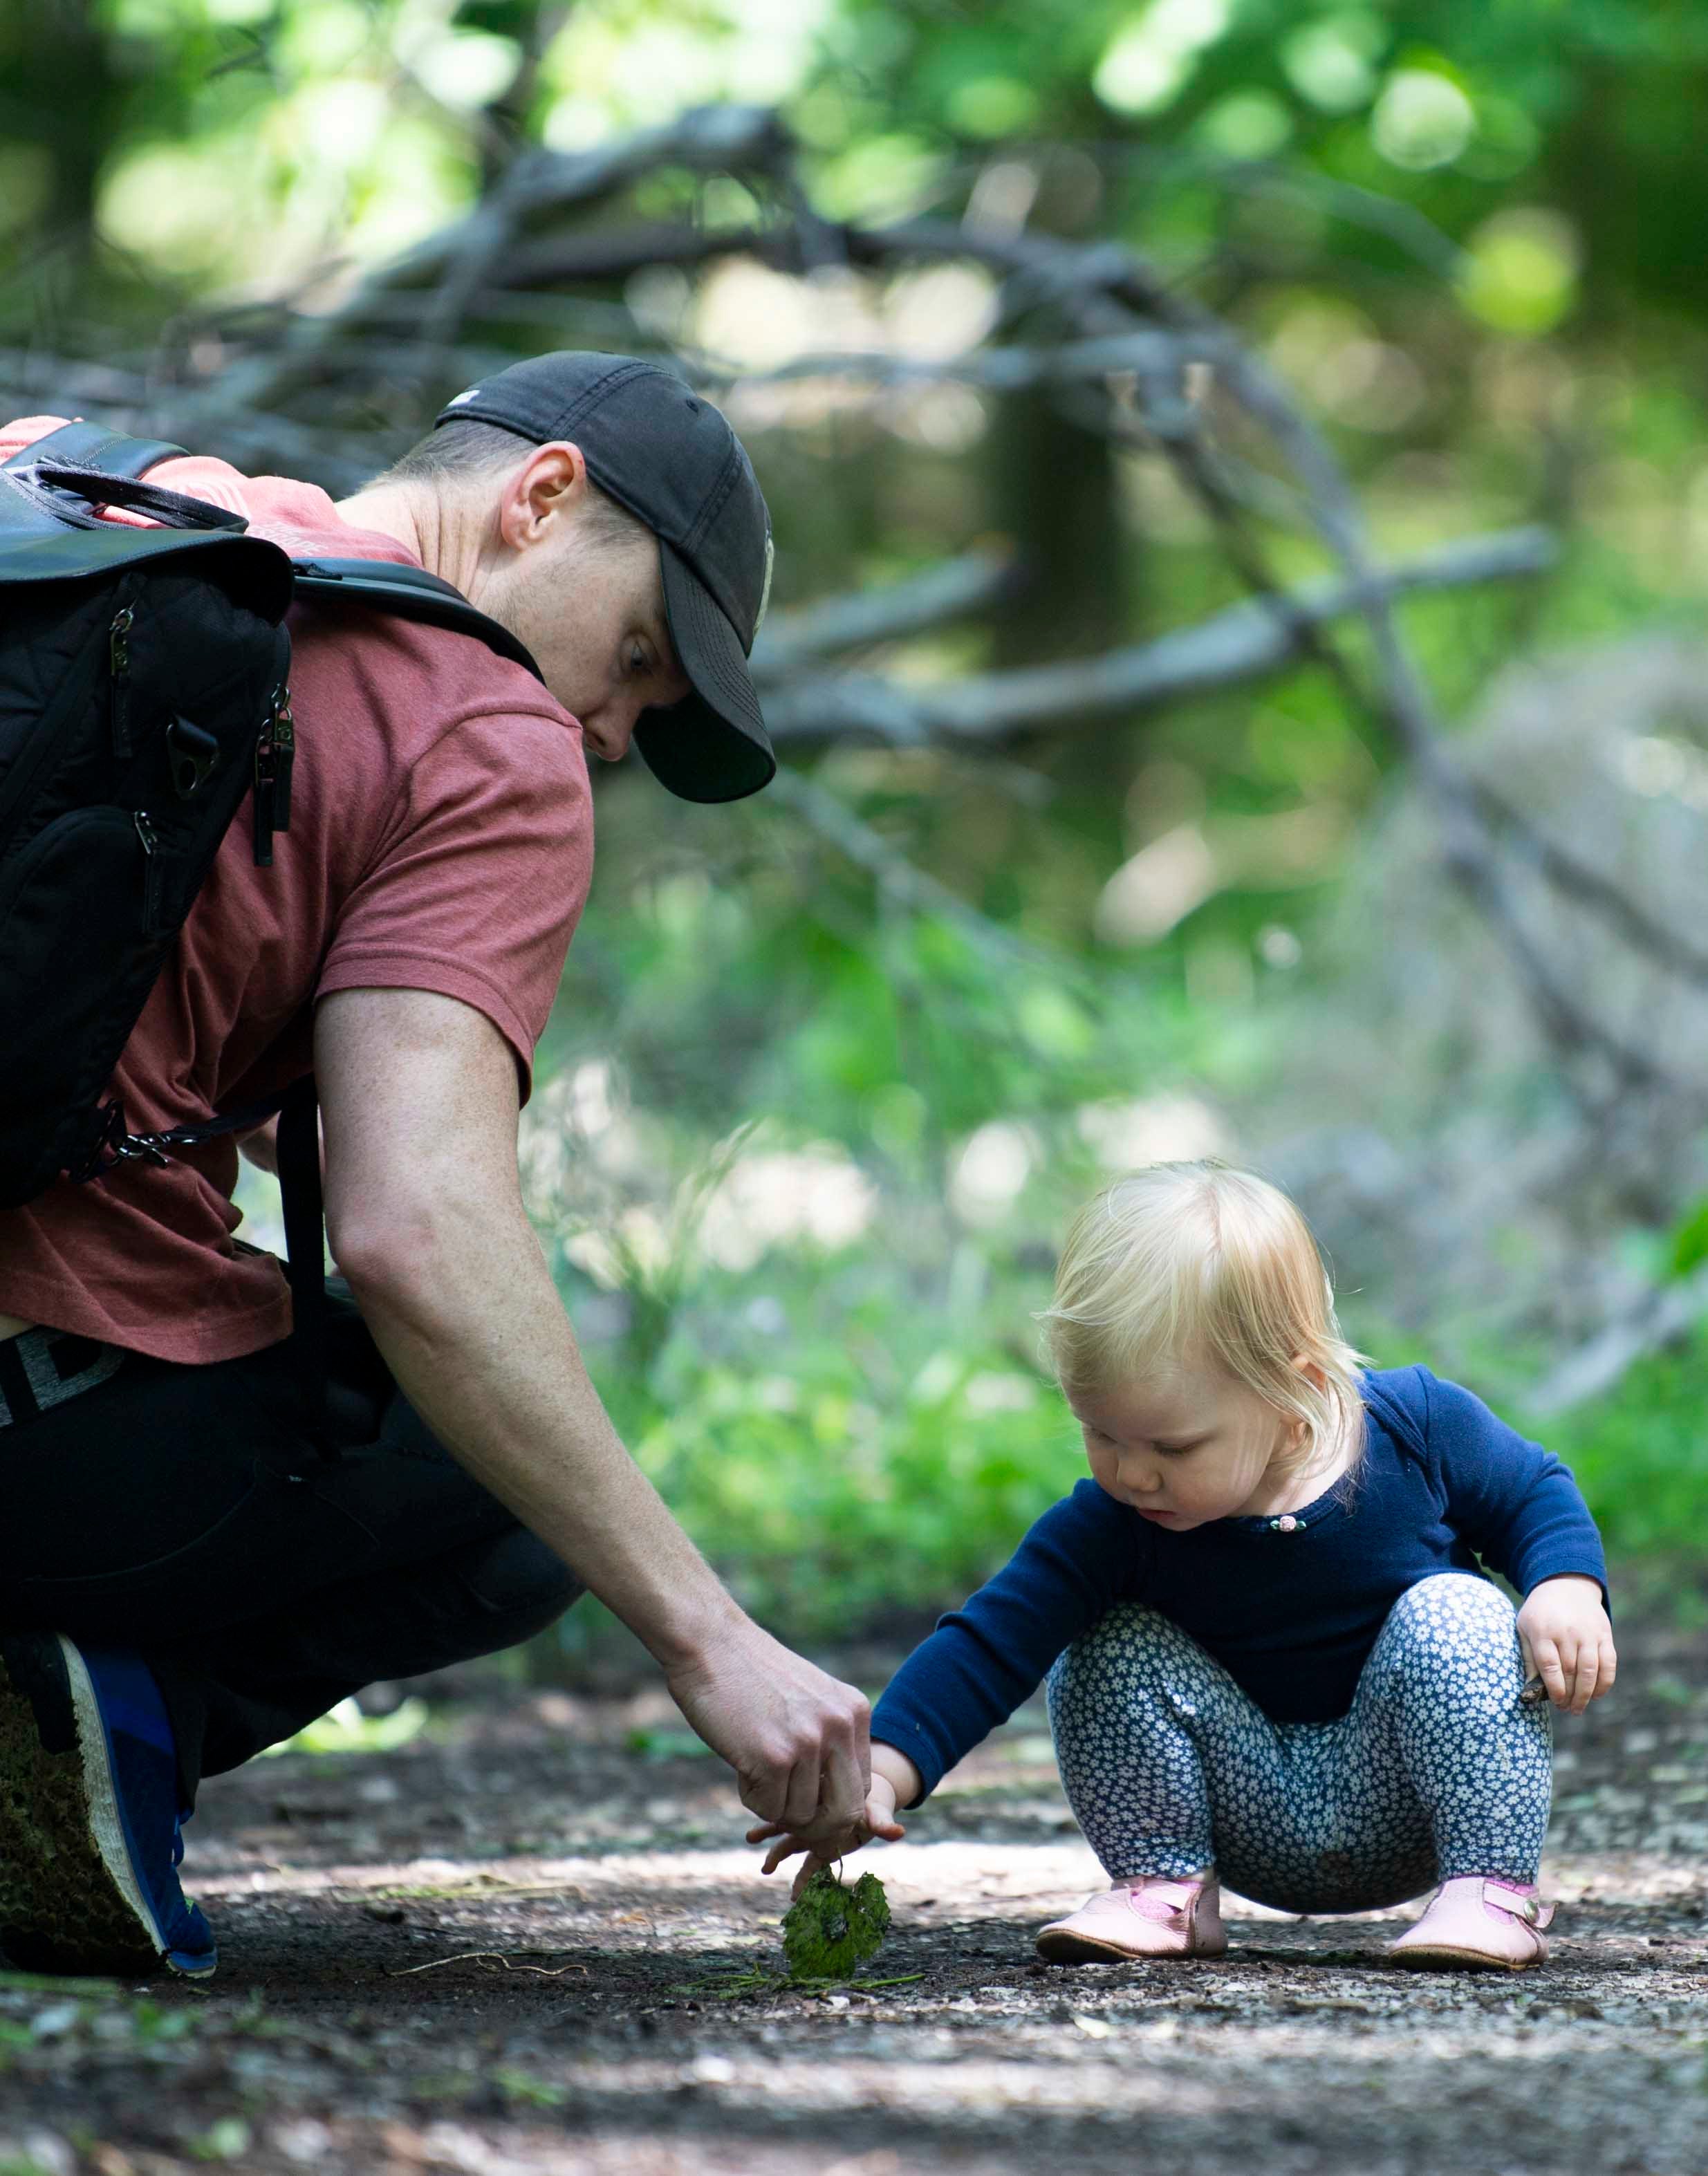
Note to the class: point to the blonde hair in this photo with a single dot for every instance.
(1183, 1264)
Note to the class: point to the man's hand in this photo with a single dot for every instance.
(895, 1781)
(1566, 1639)
(796, 1737)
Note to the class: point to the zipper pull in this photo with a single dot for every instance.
(151, 872)
(266, 783)
(285, 755)
(118, 658)
(275, 749)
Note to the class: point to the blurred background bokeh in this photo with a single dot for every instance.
(830, 1068)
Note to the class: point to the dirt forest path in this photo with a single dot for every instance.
(509, 1946)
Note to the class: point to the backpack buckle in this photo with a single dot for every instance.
(193, 756)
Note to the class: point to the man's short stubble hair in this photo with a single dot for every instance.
(460, 453)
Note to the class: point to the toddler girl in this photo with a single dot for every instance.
(1272, 1658)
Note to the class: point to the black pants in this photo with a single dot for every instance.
(185, 1512)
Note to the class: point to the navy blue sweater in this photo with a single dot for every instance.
(1291, 1616)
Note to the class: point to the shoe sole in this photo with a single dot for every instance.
(1442, 1959)
(1081, 1949)
(69, 1897)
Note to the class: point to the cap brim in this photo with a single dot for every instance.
(713, 745)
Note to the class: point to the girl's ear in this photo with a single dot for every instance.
(1311, 1371)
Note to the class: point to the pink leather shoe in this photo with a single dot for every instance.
(1478, 1922)
(1150, 1916)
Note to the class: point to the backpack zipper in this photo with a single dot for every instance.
(275, 751)
(151, 870)
(118, 658)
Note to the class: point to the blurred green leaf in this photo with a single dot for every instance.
(345, 1729)
(1689, 1248)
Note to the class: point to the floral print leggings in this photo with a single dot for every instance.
(1437, 1770)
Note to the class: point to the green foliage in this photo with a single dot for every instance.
(850, 1438)
(833, 1927)
(653, 1745)
(1470, 249)
(224, 2141)
(1689, 1248)
(518, 2086)
(345, 1729)
(1640, 1455)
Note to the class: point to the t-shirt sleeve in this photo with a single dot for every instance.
(986, 1657)
(1516, 1503)
(479, 880)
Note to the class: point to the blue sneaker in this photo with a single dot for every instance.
(89, 1835)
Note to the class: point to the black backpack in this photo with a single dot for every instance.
(144, 691)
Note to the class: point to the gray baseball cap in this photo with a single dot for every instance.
(655, 447)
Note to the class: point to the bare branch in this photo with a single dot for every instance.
(1580, 881)
(468, 253)
(994, 369)
(1125, 323)
(1241, 644)
(1100, 286)
(128, 399)
(951, 590)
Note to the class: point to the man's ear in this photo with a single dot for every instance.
(545, 491)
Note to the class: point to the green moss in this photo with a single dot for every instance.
(833, 1928)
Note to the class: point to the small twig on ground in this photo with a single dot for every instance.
(509, 1959)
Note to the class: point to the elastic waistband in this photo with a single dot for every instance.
(43, 1368)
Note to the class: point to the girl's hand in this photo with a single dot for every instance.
(1566, 1639)
(877, 1820)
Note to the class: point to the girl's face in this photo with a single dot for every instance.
(1185, 1448)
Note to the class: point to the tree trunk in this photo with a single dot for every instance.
(1055, 484)
(58, 91)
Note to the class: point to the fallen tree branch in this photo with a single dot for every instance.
(469, 252)
(949, 591)
(1241, 644)
(994, 369)
(1100, 287)
(1126, 324)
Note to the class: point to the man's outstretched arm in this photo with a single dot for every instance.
(424, 1213)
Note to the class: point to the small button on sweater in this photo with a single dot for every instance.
(1290, 1610)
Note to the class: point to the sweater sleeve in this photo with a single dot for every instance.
(1515, 1502)
(986, 1657)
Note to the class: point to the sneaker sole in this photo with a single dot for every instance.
(69, 1898)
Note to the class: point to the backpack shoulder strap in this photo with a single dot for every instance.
(410, 593)
(93, 446)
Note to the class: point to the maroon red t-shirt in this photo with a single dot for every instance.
(441, 839)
